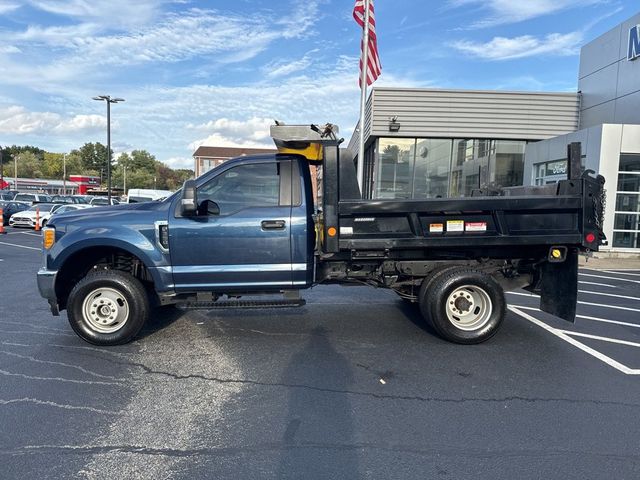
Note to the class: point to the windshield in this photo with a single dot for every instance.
(43, 207)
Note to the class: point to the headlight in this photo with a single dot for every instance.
(48, 237)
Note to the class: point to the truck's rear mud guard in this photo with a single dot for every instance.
(558, 287)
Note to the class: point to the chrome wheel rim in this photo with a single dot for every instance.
(469, 307)
(105, 310)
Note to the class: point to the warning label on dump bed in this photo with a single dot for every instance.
(455, 225)
(476, 226)
(436, 228)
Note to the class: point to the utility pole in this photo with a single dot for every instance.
(15, 172)
(124, 177)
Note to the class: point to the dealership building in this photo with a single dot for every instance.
(426, 143)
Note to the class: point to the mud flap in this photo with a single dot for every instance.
(559, 287)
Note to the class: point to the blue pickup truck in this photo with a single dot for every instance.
(252, 227)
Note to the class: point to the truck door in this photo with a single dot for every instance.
(247, 246)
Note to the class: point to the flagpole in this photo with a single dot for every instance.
(363, 95)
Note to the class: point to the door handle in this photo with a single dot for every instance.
(273, 224)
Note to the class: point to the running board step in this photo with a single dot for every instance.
(298, 302)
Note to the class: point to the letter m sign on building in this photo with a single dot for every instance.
(634, 43)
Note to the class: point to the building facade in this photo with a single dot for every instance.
(609, 131)
(426, 143)
(206, 157)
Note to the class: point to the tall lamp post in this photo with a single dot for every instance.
(109, 100)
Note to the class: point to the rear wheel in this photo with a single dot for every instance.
(463, 305)
(108, 307)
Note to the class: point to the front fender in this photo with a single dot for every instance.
(138, 242)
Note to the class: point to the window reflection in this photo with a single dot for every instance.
(431, 168)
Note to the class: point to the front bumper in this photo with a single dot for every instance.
(46, 285)
(22, 222)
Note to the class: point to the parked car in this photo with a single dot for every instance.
(9, 208)
(96, 201)
(70, 208)
(7, 195)
(69, 199)
(27, 218)
(32, 198)
(141, 195)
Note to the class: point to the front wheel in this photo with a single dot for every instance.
(108, 307)
(463, 305)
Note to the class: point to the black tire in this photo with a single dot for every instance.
(111, 291)
(473, 315)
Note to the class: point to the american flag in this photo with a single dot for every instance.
(374, 69)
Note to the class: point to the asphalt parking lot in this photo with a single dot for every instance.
(350, 386)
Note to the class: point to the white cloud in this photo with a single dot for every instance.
(179, 162)
(510, 11)
(19, 121)
(502, 48)
(282, 69)
(251, 133)
(118, 13)
(6, 7)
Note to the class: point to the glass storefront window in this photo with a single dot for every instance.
(626, 225)
(394, 177)
(628, 182)
(432, 166)
(630, 163)
(626, 239)
(627, 221)
(507, 163)
(470, 166)
(550, 172)
(628, 202)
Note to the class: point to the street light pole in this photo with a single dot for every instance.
(64, 173)
(109, 100)
(15, 172)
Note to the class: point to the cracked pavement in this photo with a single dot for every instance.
(297, 393)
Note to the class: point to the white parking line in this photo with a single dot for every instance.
(580, 302)
(32, 234)
(610, 295)
(19, 246)
(604, 339)
(621, 273)
(586, 317)
(594, 353)
(597, 284)
(609, 278)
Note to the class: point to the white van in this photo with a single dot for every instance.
(139, 195)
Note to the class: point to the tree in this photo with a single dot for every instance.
(94, 157)
(143, 160)
(29, 165)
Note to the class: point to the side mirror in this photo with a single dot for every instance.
(209, 207)
(189, 199)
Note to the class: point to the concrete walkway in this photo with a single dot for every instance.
(610, 263)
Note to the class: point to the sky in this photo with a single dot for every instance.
(195, 72)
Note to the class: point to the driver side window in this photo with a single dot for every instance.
(244, 186)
